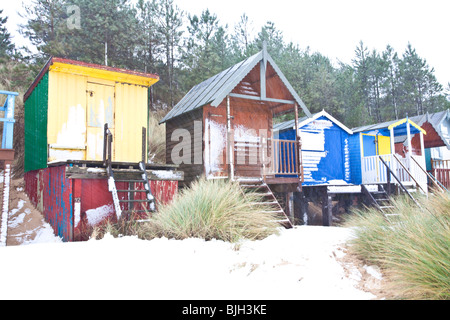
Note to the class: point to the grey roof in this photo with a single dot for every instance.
(290, 124)
(376, 126)
(434, 118)
(437, 120)
(287, 124)
(216, 88)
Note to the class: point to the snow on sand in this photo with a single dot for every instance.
(300, 263)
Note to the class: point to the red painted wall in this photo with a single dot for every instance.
(73, 206)
(51, 193)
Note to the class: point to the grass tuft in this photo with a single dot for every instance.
(214, 209)
(209, 209)
(411, 244)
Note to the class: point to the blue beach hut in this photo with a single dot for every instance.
(325, 148)
(373, 147)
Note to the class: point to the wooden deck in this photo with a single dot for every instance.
(84, 169)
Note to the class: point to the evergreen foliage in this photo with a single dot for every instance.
(185, 49)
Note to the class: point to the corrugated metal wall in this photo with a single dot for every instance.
(78, 107)
(66, 116)
(74, 206)
(36, 126)
(131, 115)
(51, 193)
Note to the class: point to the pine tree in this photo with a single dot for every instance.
(46, 19)
(6, 46)
(241, 38)
(392, 83)
(418, 83)
(201, 57)
(170, 23)
(361, 66)
(149, 41)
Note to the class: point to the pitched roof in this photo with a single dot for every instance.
(215, 89)
(94, 70)
(399, 126)
(290, 124)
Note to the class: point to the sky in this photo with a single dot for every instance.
(332, 27)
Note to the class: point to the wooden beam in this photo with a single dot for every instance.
(76, 172)
(297, 145)
(327, 209)
(248, 97)
(262, 66)
(230, 142)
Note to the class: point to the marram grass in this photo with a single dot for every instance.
(209, 209)
(412, 245)
(214, 209)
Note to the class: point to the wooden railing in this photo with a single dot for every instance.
(284, 158)
(274, 157)
(374, 171)
(441, 171)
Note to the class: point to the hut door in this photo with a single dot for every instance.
(369, 145)
(100, 110)
(384, 145)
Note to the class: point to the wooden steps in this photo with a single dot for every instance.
(135, 203)
(379, 198)
(268, 199)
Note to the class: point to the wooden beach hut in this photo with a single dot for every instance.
(222, 128)
(325, 148)
(436, 143)
(374, 159)
(85, 146)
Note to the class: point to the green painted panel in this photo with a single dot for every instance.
(36, 108)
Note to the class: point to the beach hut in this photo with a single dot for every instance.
(325, 148)
(85, 146)
(6, 157)
(222, 128)
(68, 104)
(375, 160)
(436, 143)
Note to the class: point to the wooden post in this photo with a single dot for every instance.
(300, 207)
(105, 142)
(388, 178)
(297, 145)
(144, 144)
(408, 133)
(392, 141)
(230, 142)
(110, 140)
(422, 145)
(290, 206)
(327, 209)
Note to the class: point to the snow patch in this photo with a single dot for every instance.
(97, 215)
(299, 263)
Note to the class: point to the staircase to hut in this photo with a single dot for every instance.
(381, 199)
(268, 200)
(378, 197)
(136, 197)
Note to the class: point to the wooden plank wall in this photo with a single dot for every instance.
(195, 168)
(249, 118)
